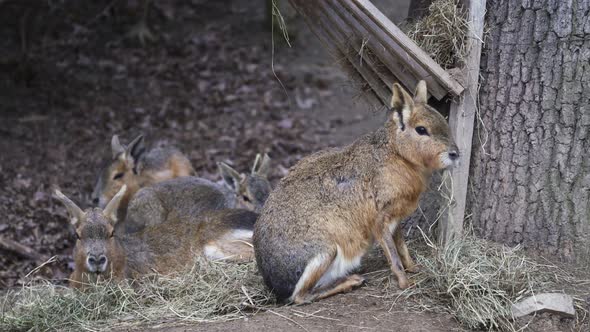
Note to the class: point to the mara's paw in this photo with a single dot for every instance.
(415, 268)
(302, 300)
(357, 280)
(403, 283)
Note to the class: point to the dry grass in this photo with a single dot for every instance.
(480, 281)
(207, 292)
(277, 18)
(476, 281)
(442, 33)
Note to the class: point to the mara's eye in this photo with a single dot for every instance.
(118, 176)
(421, 131)
(112, 233)
(246, 198)
(77, 235)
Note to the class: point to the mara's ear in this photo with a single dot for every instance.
(402, 106)
(230, 176)
(110, 211)
(261, 165)
(116, 146)
(76, 214)
(421, 93)
(134, 150)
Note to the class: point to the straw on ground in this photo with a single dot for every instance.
(209, 291)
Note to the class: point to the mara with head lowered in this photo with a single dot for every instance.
(251, 190)
(333, 205)
(102, 252)
(185, 197)
(135, 167)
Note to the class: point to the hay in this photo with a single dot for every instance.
(480, 281)
(278, 19)
(477, 281)
(209, 291)
(442, 33)
(474, 280)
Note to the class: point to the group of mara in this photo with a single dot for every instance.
(307, 235)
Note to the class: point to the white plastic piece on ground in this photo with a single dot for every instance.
(557, 303)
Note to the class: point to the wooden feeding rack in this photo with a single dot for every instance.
(374, 51)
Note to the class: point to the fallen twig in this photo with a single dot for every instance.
(20, 249)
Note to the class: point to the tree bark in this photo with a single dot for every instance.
(530, 175)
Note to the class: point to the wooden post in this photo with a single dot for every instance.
(461, 120)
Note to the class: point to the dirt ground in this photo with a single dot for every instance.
(70, 78)
(362, 312)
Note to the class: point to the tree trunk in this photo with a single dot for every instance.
(530, 180)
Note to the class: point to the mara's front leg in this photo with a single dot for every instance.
(402, 249)
(384, 234)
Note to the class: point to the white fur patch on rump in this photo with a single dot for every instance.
(162, 175)
(239, 235)
(310, 268)
(213, 252)
(339, 268)
(214, 249)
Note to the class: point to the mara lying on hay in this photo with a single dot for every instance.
(252, 189)
(170, 246)
(135, 168)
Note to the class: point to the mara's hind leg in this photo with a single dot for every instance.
(307, 289)
(312, 273)
(238, 251)
(234, 246)
(404, 253)
(340, 285)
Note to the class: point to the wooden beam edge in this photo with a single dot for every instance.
(411, 47)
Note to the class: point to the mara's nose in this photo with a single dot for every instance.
(95, 201)
(96, 263)
(454, 154)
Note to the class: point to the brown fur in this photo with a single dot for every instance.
(171, 246)
(136, 168)
(164, 248)
(185, 197)
(333, 205)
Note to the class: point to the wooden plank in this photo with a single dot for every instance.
(362, 45)
(392, 62)
(400, 59)
(336, 32)
(413, 50)
(461, 121)
(349, 44)
(312, 18)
